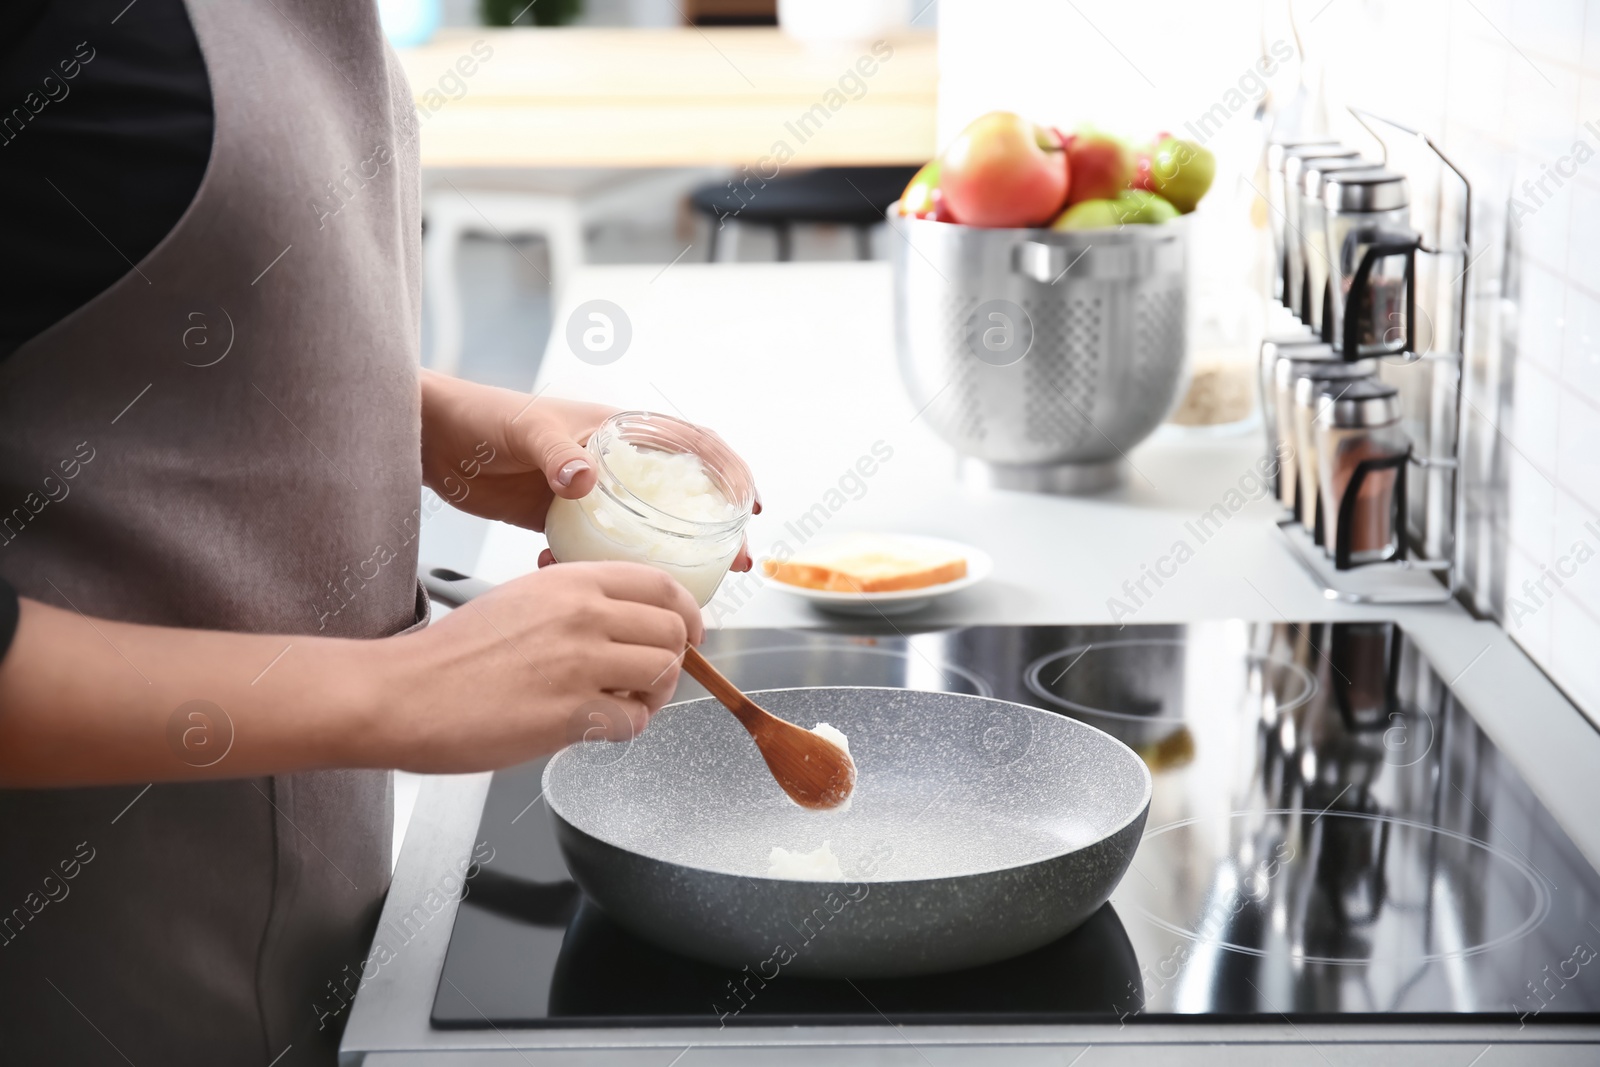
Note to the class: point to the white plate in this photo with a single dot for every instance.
(900, 601)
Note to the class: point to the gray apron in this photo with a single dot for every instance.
(240, 417)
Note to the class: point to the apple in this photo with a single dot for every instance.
(1132, 207)
(1141, 168)
(1146, 208)
(1099, 214)
(1099, 165)
(922, 196)
(1004, 171)
(1181, 171)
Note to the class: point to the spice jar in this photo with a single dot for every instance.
(1295, 279)
(1313, 361)
(1280, 438)
(667, 494)
(1361, 460)
(1277, 204)
(1314, 236)
(1314, 388)
(1373, 263)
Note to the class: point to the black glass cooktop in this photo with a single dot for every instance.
(1330, 836)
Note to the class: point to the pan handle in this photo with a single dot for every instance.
(451, 588)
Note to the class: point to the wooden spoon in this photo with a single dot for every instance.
(815, 772)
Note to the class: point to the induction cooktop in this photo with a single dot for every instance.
(1331, 836)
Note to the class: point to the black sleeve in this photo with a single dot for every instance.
(105, 132)
(8, 616)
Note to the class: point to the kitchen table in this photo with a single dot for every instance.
(585, 97)
(794, 364)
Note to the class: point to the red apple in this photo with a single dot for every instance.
(1004, 171)
(921, 198)
(1100, 165)
(1141, 178)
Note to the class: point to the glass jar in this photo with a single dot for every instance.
(684, 518)
(1314, 236)
(1295, 279)
(1280, 438)
(1277, 201)
(1298, 478)
(1361, 456)
(1372, 259)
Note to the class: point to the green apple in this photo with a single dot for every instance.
(1146, 208)
(1092, 215)
(1181, 171)
(1134, 207)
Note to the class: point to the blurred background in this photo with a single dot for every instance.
(622, 131)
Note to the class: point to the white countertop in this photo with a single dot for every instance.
(794, 365)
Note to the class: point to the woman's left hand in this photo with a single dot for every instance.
(500, 455)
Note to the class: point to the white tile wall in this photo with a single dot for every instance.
(1512, 90)
(1523, 104)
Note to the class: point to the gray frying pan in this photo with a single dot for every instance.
(979, 830)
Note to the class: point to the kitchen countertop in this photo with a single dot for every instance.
(590, 97)
(794, 365)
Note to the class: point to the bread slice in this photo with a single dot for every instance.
(868, 563)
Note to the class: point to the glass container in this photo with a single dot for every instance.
(1297, 472)
(668, 519)
(1294, 163)
(1314, 237)
(1372, 263)
(1361, 458)
(1276, 202)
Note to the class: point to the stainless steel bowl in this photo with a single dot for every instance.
(1087, 356)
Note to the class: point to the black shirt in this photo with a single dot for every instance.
(105, 132)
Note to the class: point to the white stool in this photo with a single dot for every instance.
(557, 205)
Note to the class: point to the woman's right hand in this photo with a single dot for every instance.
(584, 650)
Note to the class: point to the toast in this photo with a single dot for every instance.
(868, 563)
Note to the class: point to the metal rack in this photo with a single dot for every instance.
(1390, 582)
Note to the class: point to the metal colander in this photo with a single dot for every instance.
(1086, 357)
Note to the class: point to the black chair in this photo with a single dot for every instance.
(838, 196)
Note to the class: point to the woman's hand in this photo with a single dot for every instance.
(585, 650)
(497, 454)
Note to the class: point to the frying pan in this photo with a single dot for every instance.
(979, 830)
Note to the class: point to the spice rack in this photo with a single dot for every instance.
(1430, 381)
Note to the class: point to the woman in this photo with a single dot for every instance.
(210, 411)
